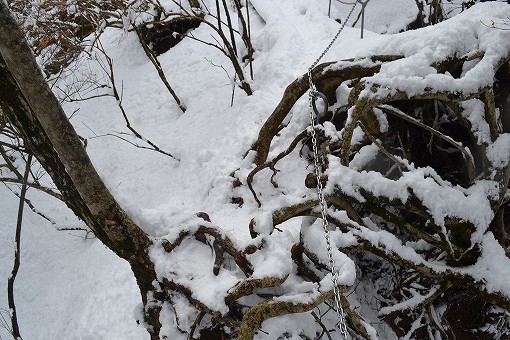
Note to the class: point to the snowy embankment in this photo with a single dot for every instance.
(75, 288)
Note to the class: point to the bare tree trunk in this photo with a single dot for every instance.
(29, 104)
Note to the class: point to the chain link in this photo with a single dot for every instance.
(312, 96)
(310, 81)
(323, 207)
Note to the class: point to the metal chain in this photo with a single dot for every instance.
(323, 206)
(312, 86)
(313, 94)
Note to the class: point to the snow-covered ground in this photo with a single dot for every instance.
(70, 287)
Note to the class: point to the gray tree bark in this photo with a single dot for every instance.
(31, 107)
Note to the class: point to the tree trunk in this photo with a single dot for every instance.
(29, 104)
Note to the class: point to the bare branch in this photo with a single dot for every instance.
(118, 98)
(17, 254)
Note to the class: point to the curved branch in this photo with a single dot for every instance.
(227, 245)
(304, 208)
(256, 315)
(271, 164)
(338, 72)
(250, 286)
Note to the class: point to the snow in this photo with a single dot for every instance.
(474, 113)
(499, 152)
(440, 198)
(196, 273)
(414, 301)
(459, 36)
(274, 259)
(492, 267)
(314, 239)
(68, 285)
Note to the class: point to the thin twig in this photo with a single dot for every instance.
(3, 322)
(37, 186)
(218, 14)
(245, 36)
(87, 232)
(401, 164)
(197, 322)
(118, 98)
(231, 50)
(230, 29)
(250, 52)
(324, 329)
(31, 205)
(136, 145)
(9, 163)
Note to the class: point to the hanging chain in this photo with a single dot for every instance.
(312, 86)
(313, 95)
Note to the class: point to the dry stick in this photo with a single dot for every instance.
(9, 163)
(3, 322)
(9, 133)
(71, 100)
(194, 3)
(399, 163)
(154, 60)
(36, 211)
(230, 28)
(37, 186)
(191, 36)
(218, 15)
(232, 49)
(357, 18)
(197, 322)
(250, 52)
(30, 204)
(228, 77)
(19, 177)
(233, 91)
(118, 98)
(324, 329)
(245, 36)
(87, 232)
(231, 54)
(17, 253)
(13, 147)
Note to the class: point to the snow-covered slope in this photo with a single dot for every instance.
(75, 288)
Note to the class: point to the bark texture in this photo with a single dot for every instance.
(29, 104)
